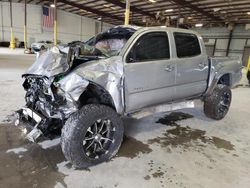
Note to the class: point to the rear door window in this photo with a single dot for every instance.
(187, 45)
(150, 47)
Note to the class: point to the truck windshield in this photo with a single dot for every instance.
(107, 48)
(108, 43)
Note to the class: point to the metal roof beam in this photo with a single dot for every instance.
(184, 3)
(90, 9)
(132, 8)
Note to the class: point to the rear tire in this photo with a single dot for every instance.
(92, 135)
(216, 106)
(248, 76)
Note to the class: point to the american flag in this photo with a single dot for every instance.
(48, 17)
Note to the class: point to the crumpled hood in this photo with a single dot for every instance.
(101, 72)
(49, 63)
(106, 73)
(93, 69)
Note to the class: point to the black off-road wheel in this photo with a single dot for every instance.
(217, 105)
(92, 135)
(248, 76)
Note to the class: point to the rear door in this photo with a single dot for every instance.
(149, 71)
(192, 65)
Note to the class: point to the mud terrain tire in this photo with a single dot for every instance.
(76, 134)
(248, 76)
(217, 105)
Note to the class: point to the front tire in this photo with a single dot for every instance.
(217, 105)
(92, 135)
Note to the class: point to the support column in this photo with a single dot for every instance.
(25, 24)
(127, 12)
(12, 38)
(179, 15)
(55, 23)
(2, 21)
(229, 42)
(81, 30)
(215, 44)
(101, 24)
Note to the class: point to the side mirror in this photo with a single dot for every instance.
(130, 57)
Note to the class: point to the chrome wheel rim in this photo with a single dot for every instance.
(98, 139)
(225, 101)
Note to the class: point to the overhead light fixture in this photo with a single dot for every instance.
(113, 8)
(181, 20)
(216, 9)
(190, 18)
(248, 13)
(109, 6)
(52, 5)
(169, 10)
(199, 25)
(152, 1)
(100, 18)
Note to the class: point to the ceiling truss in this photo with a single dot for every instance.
(208, 12)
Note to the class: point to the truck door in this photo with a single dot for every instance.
(192, 65)
(149, 71)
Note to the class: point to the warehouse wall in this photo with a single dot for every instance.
(219, 37)
(70, 26)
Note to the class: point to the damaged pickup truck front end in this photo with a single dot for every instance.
(82, 91)
(56, 87)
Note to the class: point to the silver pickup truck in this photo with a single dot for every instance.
(83, 92)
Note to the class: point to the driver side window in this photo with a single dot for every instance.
(150, 47)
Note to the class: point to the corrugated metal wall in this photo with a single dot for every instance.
(70, 26)
(219, 37)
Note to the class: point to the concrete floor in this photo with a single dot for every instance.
(180, 149)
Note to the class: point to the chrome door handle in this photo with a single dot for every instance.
(202, 65)
(169, 68)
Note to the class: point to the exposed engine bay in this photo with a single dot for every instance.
(55, 83)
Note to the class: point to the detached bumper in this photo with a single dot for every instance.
(27, 112)
(33, 120)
